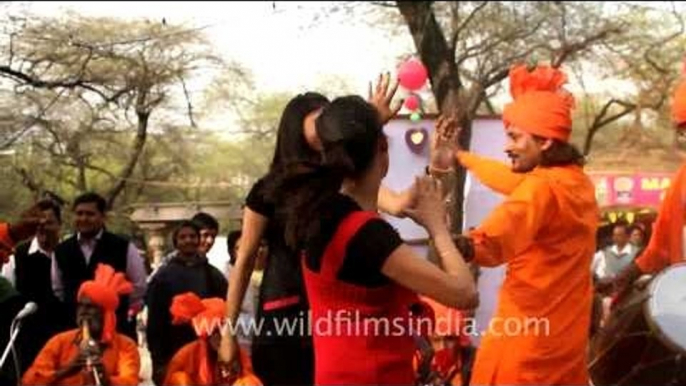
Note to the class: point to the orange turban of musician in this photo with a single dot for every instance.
(541, 106)
(206, 316)
(104, 291)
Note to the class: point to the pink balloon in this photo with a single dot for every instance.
(412, 102)
(412, 74)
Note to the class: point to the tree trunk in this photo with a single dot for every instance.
(143, 114)
(82, 186)
(437, 55)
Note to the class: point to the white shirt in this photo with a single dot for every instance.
(8, 270)
(609, 262)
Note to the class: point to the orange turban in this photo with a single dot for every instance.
(206, 316)
(104, 290)
(541, 106)
(679, 103)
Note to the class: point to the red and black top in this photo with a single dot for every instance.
(360, 318)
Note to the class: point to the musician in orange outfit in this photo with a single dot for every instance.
(666, 245)
(95, 353)
(448, 340)
(545, 232)
(196, 362)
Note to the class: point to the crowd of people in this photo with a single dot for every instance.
(314, 248)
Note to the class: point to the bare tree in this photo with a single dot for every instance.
(92, 78)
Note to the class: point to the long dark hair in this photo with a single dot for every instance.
(561, 154)
(350, 130)
(291, 146)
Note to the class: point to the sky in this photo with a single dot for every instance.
(282, 45)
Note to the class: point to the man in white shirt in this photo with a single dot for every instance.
(32, 272)
(610, 261)
(607, 264)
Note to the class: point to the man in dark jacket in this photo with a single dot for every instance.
(78, 256)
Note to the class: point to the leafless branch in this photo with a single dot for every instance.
(602, 119)
(188, 102)
(137, 149)
(385, 4)
(659, 45)
(11, 57)
(459, 28)
(21, 132)
(28, 180)
(570, 49)
(489, 45)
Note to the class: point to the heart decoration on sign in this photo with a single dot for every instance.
(416, 139)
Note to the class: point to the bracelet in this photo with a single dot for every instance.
(428, 169)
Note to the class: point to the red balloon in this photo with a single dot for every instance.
(412, 74)
(412, 102)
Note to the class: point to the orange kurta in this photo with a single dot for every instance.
(494, 174)
(545, 232)
(120, 359)
(183, 368)
(666, 243)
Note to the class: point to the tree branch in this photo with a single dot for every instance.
(28, 180)
(570, 49)
(11, 53)
(385, 4)
(12, 140)
(433, 50)
(143, 114)
(458, 30)
(188, 102)
(602, 120)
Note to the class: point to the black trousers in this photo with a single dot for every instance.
(281, 359)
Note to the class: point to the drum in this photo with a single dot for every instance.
(644, 340)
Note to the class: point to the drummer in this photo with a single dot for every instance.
(666, 245)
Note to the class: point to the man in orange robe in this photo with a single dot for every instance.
(196, 362)
(448, 340)
(74, 357)
(545, 232)
(666, 246)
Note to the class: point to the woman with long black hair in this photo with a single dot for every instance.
(279, 358)
(357, 271)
